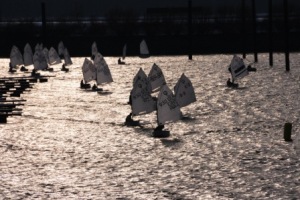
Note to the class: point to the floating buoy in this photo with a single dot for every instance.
(287, 132)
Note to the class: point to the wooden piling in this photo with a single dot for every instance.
(44, 29)
(270, 33)
(287, 132)
(243, 28)
(254, 30)
(286, 25)
(190, 29)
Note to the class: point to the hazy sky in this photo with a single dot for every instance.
(63, 8)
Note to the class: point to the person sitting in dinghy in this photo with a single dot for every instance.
(251, 69)
(120, 62)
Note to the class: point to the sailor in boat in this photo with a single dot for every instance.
(129, 121)
(251, 69)
(33, 73)
(232, 84)
(11, 70)
(23, 69)
(63, 68)
(84, 85)
(120, 62)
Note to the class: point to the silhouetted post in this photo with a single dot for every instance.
(254, 30)
(286, 26)
(190, 29)
(44, 31)
(270, 34)
(244, 27)
(287, 132)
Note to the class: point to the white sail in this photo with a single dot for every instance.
(67, 57)
(16, 57)
(142, 101)
(142, 76)
(94, 49)
(184, 91)
(156, 77)
(61, 48)
(39, 60)
(88, 71)
(28, 55)
(46, 54)
(238, 68)
(124, 52)
(144, 51)
(53, 57)
(167, 107)
(103, 72)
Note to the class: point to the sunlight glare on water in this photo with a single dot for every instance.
(71, 143)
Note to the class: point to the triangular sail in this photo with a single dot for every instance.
(103, 72)
(38, 47)
(142, 101)
(184, 91)
(94, 49)
(167, 107)
(61, 48)
(39, 60)
(142, 76)
(144, 51)
(28, 55)
(156, 77)
(53, 57)
(46, 54)
(124, 52)
(238, 68)
(16, 57)
(67, 57)
(88, 71)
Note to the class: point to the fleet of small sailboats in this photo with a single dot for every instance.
(165, 103)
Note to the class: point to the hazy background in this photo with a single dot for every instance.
(216, 25)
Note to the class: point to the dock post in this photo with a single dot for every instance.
(270, 34)
(190, 29)
(286, 25)
(254, 30)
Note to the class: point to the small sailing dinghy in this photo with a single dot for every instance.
(53, 57)
(141, 75)
(184, 91)
(61, 50)
(89, 73)
(156, 78)
(28, 55)
(103, 74)
(67, 60)
(120, 62)
(94, 50)
(16, 58)
(141, 101)
(144, 51)
(168, 110)
(237, 69)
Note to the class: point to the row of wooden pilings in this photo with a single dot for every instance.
(243, 28)
(11, 89)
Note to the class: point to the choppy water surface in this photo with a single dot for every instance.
(72, 144)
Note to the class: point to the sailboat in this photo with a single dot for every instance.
(53, 57)
(141, 75)
(39, 60)
(89, 73)
(94, 50)
(61, 49)
(184, 91)
(67, 60)
(156, 78)
(16, 58)
(141, 99)
(120, 62)
(46, 54)
(103, 74)
(28, 55)
(237, 69)
(144, 51)
(168, 110)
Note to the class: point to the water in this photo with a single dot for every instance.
(72, 144)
